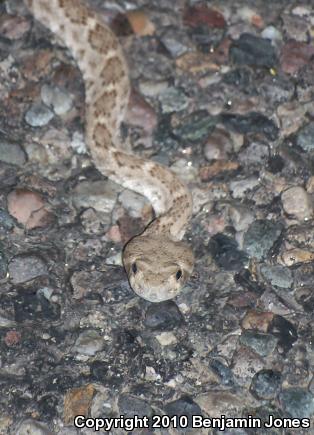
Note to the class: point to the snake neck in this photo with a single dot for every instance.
(100, 58)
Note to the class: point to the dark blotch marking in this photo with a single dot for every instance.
(105, 103)
(113, 71)
(102, 136)
(102, 39)
(74, 13)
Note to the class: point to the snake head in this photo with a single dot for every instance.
(157, 266)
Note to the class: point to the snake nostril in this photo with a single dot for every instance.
(178, 274)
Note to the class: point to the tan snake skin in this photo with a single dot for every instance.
(156, 261)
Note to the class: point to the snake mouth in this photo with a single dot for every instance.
(155, 295)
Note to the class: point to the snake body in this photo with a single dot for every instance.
(157, 262)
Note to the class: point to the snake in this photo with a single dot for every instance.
(157, 262)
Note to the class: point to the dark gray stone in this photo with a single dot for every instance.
(263, 344)
(252, 50)
(131, 406)
(305, 137)
(277, 275)
(23, 268)
(265, 384)
(298, 402)
(38, 115)
(253, 122)
(163, 316)
(195, 126)
(260, 237)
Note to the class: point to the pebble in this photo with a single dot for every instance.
(253, 122)
(296, 28)
(13, 27)
(223, 372)
(173, 100)
(310, 185)
(5, 423)
(272, 33)
(183, 406)
(277, 89)
(133, 203)
(305, 137)
(252, 50)
(95, 222)
(132, 406)
(294, 56)
(3, 264)
(295, 256)
(199, 64)
(301, 11)
(265, 384)
(195, 127)
(240, 77)
(250, 15)
(150, 88)
(262, 344)
(99, 370)
(297, 402)
(23, 268)
(57, 99)
(184, 170)
(305, 297)
(78, 143)
(260, 237)
(33, 427)
(304, 275)
(57, 147)
(11, 152)
(292, 117)
(226, 253)
(77, 401)
(201, 14)
(28, 208)
(277, 275)
(140, 113)
(245, 363)
(100, 195)
(241, 217)
(163, 316)
(176, 42)
(12, 338)
(284, 331)
(140, 23)
(221, 402)
(89, 343)
(240, 188)
(166, 338)
(6, 221)
(38, 115)
(256, 153)
(301, 235)
(35, 308)
(219, 167)
(297, 203)
(218, 145)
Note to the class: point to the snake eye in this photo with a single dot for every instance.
(134, 268)
(178, 274)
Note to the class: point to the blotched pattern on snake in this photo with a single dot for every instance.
(157, 262)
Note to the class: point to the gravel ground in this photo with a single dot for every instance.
(223, 94)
